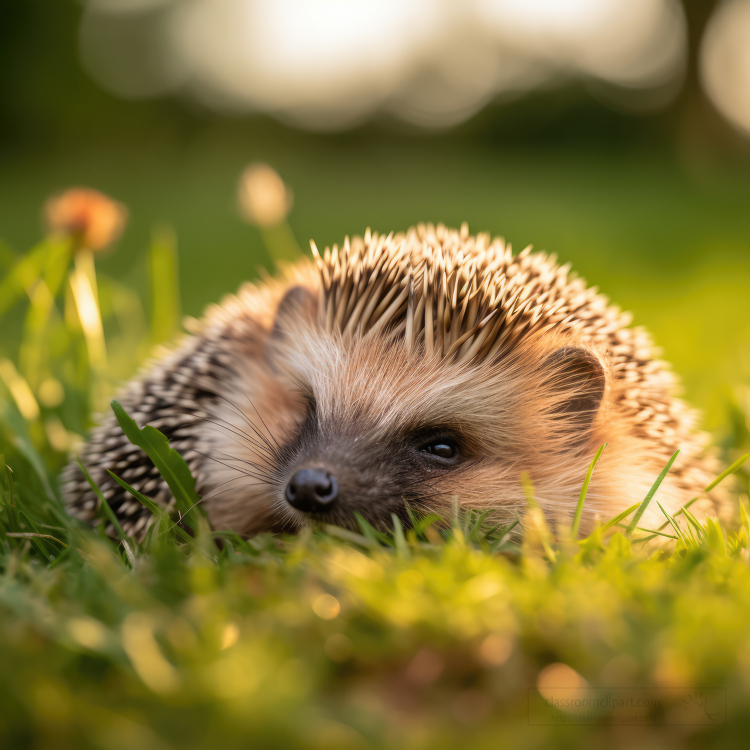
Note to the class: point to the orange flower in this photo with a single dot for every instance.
(91, 218)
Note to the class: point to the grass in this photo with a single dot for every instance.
(445, 634)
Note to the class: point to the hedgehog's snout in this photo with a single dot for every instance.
(312, 490)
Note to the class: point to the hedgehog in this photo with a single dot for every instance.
(395, 376)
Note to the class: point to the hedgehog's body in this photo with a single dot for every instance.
(406, 369)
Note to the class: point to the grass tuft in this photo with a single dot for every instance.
(440, 633)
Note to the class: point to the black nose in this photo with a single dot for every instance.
(312, 490)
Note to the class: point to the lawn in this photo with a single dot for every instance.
(448, 634)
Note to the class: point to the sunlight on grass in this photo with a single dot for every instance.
(438, 633)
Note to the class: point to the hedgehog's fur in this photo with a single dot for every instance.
(349, 363)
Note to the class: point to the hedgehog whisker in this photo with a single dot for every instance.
(243, 416)
(270, 434)
(212, 495)
(265, 464)
(248, 441)
(267, 470)
(229, 427)
(423, 496)
(228, 481)
(260, 475)
(250, 424)
(280, 506)
(262, 478)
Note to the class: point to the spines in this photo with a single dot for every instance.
(455, 295)
(461, 297)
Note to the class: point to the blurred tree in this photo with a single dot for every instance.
(699, 126)
(47, 101)
(39, 75)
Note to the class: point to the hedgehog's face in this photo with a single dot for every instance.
(379, 428)
(335, 470)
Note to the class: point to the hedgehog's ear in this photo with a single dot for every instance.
(297, 306)
(578, 381)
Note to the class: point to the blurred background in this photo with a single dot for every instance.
(615, 133)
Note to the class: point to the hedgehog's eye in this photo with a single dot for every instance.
(444, 449)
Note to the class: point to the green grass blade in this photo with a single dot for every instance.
(584, 490)
(162, 516)
(693, 521)
(536, 515)
(650, 495)
(618, 518)
(24, 444)
(503, 535)
(370, 532)
(744, 517)
(426, 521)
(492, 530)
(398, 536)
(366, 527)
(157, 510)
(647, 531)
(15, 282)
(730, 470)
(62, 557)
(170, 464)
(35, 535)
(456, 511)
(413, 519)
(680, 511)
(672, 522)
(476, 528)
(12, 511)
(111, 517)
(349, 536)
(715, 538)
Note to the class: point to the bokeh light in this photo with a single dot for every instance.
(725, 62)
(331, 64)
